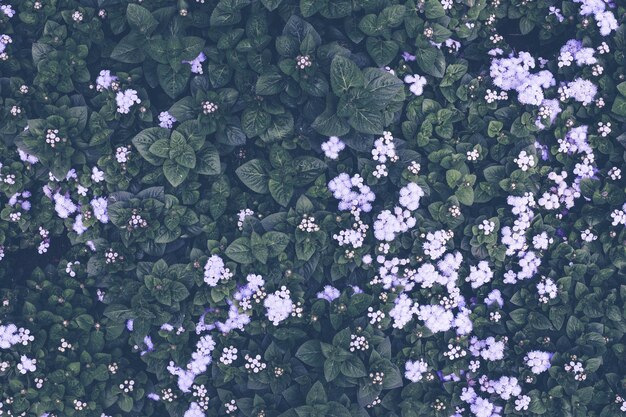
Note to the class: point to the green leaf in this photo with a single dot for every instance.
(304, 250)
(156, 49)
(144, 140)
(392, 16)
(367, 393)
(140, 19)
(271, 4)
(166, 235)
(344, 74)
(232, 136)
(494, 173)
(174, 172)
(329, 124)
(280, 128)
(316, 395)
(40, 51)
(336, 9)
(454, 73)
(270, 83)
(177, 144)
(526, 25)
(367, 121)
(85, 322)
(281, 191)
(331, 369)
(310, 353)
(187, 157)
(393, 378)
(181, 152)
(382, 86)
(310, 7)
(452, 177)
(130, 49)
(465, 195)
(574, 327)
(308, 168)
(381, 51)
(254, 122)
(315, 85)
(353, 367)
(369, 25)
(184, 109)
(208, 160)
(160, 148)
(192, 46)
(118, 312)
(619, 106)
(433, 9)
(179, 291)
(276, 242)
(240, 251)
(225, 14)
(431, 61)
(173, 80)
(259, 248)
(125, 403)
(494, 128)
(254, 175)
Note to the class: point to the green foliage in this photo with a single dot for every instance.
(126, 235)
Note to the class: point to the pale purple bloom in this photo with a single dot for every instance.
(417, 83)
(7, 10)
(78, 226)
(196, 63)
(104, 80)
(329, 293)
(97, 175)
(166, 120)
(99, 206)
(26, 157)
(408, 57)
(149, 345)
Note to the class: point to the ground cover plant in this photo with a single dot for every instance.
(305, 208)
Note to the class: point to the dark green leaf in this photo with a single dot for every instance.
(208, 160)
(130, 49)
(140, 19)
(240, 251)
(344, 74)
(174, 172)
(254, 175)
(173, 80)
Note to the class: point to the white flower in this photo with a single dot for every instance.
(125, 99)
(538, 361)
(332, 147)
(26, 365)
(417, 83)
(97, 175)
(414, 370)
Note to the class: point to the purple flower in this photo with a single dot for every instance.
(149, 345)
(329, 294)
(408, 57)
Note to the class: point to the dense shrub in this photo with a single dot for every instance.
(312, 208)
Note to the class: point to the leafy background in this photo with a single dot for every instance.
(261, 150)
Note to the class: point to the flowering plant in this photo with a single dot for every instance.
(291, 208)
